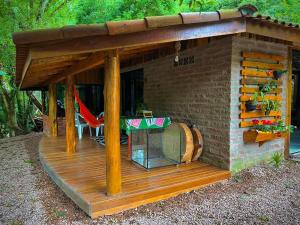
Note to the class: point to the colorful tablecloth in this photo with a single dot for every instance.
(144, 123)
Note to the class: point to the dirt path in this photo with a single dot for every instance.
(261, 195)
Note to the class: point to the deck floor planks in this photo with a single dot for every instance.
(82, 177)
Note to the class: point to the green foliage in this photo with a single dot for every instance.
(100, 11)
(266, 88)
(277, 159)
(59, 213)
(264, 218)
(28, 161)
(273, 127)
(267, 105)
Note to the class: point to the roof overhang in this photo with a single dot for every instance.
(80, 52)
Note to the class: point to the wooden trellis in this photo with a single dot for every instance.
(255, 71)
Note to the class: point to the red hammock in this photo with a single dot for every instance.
(86, 114)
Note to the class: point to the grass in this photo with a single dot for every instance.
(28, 161)
(277, 159)
(59, 213)
(17, 222)
(237, 178)
(264, 218)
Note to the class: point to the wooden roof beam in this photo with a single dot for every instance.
(155, 36)
(25, 68)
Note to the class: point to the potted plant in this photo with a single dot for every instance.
(251, 104)
(268, 87)
(269, 105)
(278, 73)
(265, 130)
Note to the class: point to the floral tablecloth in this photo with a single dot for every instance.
(144, 123)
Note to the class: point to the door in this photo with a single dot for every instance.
(132, 91)
(294, 147)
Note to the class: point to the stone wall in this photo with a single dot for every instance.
(245, 155)
(197, 93)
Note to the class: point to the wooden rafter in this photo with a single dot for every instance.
(273, 31)
(25, 68)
(94, 60)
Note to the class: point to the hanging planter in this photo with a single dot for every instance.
(255, 136)
(278, 73)
(250, 105)
(266, 130)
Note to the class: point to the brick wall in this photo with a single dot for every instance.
(197, 93)
(245, 155)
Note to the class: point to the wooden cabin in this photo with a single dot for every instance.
(195, 68)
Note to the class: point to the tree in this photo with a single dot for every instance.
(100, 11)
(20, 16)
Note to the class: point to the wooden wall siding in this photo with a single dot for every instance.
(256, 65)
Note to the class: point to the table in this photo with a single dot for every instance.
(131, 124)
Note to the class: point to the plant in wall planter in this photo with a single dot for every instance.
(265, 130)
(251, 105)
(270, 105)
(278, 73)
(266, 105)
(267, 88)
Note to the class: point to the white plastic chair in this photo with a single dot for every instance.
(101, 127)
(80, 125)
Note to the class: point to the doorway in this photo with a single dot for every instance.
(295, 113)
(132, 89)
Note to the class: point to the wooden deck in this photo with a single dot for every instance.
(82, 177)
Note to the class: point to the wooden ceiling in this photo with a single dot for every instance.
(43, 71)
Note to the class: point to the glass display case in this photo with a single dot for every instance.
(153, 148)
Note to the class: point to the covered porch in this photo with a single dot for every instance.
(82, 176)
(101, 180)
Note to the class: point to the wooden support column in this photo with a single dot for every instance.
(43, 102)
(52, 110)
(70, 115)
(289, 89)
(112, 122)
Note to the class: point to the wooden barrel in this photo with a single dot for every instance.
(198, 143)
(187, 141)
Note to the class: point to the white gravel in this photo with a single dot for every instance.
(260, 195)
(19, 198)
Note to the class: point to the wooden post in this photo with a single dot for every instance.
(112, 122)
(43, 102)
(70, 115)
(52, 110)
(289, 90)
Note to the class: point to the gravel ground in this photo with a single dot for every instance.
(260, 195)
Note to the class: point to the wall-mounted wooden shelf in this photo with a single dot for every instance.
(257, 70)
(253, 136)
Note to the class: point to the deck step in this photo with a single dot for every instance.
(132, 201)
